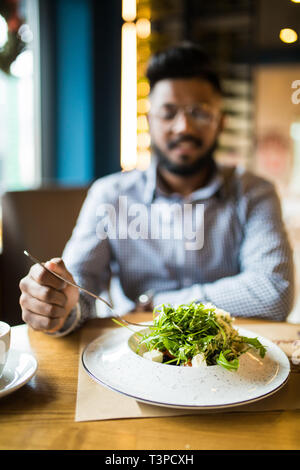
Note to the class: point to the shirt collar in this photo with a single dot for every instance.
(215, 185)
(150, 181)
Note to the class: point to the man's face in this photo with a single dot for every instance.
(185, 121)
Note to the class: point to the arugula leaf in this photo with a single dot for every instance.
(256, 344)
(229, 365)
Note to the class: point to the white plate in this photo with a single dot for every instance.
(111, 361)
(19, 369)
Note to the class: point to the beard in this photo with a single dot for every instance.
(205, 161)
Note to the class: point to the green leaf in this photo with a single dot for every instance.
(256, 344)
(229, 365)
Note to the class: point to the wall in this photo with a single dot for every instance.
(277, 154)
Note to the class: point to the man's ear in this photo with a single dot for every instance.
(222, 122)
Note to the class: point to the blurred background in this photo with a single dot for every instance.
(74, 97)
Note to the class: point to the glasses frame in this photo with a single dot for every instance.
(213, 121)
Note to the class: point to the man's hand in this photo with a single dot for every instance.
(46, 301)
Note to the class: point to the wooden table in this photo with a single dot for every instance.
(40, 415)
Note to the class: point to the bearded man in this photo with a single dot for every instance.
(242, 261)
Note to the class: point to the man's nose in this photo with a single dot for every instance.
(183, 123)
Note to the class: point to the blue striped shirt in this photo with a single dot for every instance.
(245, 265)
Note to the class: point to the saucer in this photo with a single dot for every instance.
(20, 367)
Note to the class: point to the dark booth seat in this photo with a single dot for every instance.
(40, 221)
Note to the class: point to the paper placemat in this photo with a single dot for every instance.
(95, 402)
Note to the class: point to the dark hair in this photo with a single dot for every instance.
(186, 60)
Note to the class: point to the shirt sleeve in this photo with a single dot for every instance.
(72, 323)
(265, 285)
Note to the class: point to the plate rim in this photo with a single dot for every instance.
(193, 407)
(24, 378)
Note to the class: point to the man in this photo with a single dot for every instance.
(244, 263)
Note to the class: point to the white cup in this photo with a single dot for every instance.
(4, 344)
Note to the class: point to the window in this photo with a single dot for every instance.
(19, 95)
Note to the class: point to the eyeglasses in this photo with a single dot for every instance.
(200, 114)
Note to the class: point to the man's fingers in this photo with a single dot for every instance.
(44, 278)
(45, 299)
(43, 293)
(40, 322)
(41, 308)
(58, 266)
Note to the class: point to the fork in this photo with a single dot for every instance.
(115, 314)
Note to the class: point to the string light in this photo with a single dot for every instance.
(143, 106)
(143, 28)
(143, 88)
(288, 35)
(142, 123)
(144, 157)
(135, 89)
(143, 140)
(129, 10)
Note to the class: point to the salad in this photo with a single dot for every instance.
(195, 335)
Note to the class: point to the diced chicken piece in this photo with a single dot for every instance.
(199, 361)
(154, 355)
